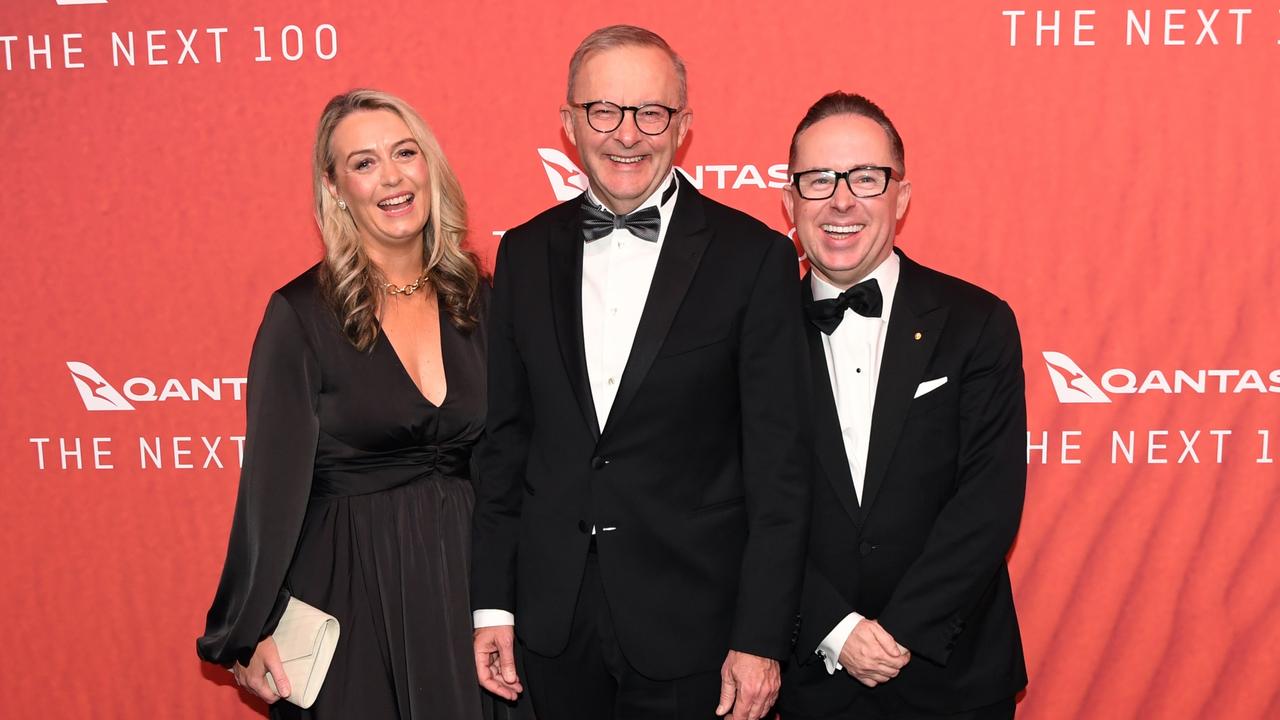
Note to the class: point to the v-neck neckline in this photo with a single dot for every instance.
(404, 371)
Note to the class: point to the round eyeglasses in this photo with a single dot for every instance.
(866, 181)
(605, 117)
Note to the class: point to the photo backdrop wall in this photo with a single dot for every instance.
(1109, 168)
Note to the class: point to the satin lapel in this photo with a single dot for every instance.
(915, 323)
(828, 443)
(565, 259)
(682, 249)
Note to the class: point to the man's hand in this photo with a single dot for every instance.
(748, 686)
(871, 655)
(266, 659)
(496, 660)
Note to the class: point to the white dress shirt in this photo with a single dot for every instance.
(617, 270)
(853, 353)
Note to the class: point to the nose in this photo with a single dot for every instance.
(391, 174)
(843, 198)
(628, 133)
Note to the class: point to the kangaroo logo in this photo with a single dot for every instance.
(567, 181)
(1070, 382)
(96, 392)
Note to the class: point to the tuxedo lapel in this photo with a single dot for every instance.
(915, 322)
(682, 248)
(565, 260)
(828, 443)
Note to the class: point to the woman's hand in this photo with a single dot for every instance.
(266, 659)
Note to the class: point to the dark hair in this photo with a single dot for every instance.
(614, 36)
(843, 103)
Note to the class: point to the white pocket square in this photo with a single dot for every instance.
(930, 385)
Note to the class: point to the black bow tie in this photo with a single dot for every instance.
(598, 222)
(645, 223)
(863, 298)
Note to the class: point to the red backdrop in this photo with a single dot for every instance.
(1119, 193)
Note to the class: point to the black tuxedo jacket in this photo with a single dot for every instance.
(924, 553)
(699, 481)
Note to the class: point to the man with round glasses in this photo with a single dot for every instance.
(643, 497)
(919, 417)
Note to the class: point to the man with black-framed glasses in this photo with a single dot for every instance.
(919, 416)
(643, 497)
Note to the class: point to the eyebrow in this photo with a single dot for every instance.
(862, 166)
(615, 102)
(369, 151)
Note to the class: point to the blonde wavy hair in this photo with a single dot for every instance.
(351, 283)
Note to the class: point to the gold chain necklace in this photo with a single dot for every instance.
(393, 289)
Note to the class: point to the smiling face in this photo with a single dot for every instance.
(380, 173)
(626, 166)
(846, 237)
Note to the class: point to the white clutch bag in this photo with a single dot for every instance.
(305, 638)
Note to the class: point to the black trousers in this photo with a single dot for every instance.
(592, 680)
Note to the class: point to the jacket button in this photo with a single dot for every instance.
(865, 549)
(583, 527)
(598, 462)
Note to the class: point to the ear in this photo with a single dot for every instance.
(904, 198)
(789, 202)
(330, 186)
(566, 119)
(682, 126)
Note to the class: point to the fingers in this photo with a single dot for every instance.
(256, 683)
(867, 658)
(872, 677)
(494, 684)
(749, 686)
(254, 677)
(753, 701)
(507, 658)
(728, 692)
(490, 678)
(882, 637)
(869, 679)
(889, 655)
(273, 665)
(495, 661)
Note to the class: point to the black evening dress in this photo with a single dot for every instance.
(355, 497)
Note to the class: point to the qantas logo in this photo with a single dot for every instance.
(1070, 382)
(95, 391)
(1073, 385)
(99, 395)
(567, 181)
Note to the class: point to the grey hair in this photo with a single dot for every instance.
(615, 36)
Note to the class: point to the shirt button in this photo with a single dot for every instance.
(610, 381)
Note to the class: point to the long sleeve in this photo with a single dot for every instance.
(275, 482)
(977, 525)
(773, 381)
(822, 607)
(501, 455)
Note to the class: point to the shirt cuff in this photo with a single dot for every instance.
(491, 618)
(831, 645)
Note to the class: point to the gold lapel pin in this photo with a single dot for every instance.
(919, 336)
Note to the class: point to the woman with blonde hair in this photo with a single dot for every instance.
(366, 394)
